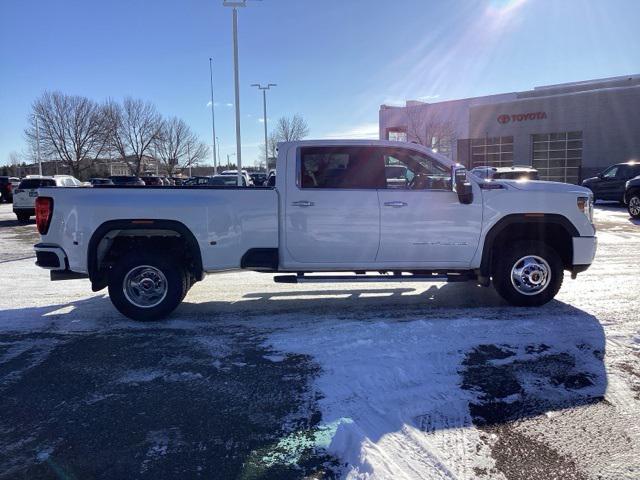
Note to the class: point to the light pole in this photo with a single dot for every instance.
(235, 4)
(219, 158)
(213, 120)
(229, 155)
(264, 107)
(38, 145)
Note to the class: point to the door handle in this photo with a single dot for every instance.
(303, 203)
(395, 204)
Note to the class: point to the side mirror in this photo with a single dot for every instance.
(600, 176)
(461, 185)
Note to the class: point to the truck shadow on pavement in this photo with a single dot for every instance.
(234, 389)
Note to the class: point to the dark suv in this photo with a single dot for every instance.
(609, 184)
(7, 184)
(632, 197)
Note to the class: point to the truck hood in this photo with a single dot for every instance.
(542, 186)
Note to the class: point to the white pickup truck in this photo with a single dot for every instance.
(364, 210)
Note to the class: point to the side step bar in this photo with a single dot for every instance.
(396, 277)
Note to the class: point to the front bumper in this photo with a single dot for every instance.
(50, 257)
(584, 251)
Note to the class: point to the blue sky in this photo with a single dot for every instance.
(335, 61)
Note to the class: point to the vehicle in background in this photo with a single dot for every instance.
(127, 180)
(152, 181)
(271, 178)
(225, 181)
(632, 196)
(100, 181)
(245, 174)
(179, 181)
(198, 180)
(7, 186)
(259, 179)
(24, 197)
(610, 183)
(396, 175)
(517, 172)
(332, 211)
(167, 181)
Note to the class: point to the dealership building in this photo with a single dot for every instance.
(568, 131)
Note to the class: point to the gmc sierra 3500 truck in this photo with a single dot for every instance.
(365, 210)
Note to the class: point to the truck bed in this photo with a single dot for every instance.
(226, 222)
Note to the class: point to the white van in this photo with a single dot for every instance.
(24, 197)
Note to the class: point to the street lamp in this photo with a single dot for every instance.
(264, 106)
(228, 164)
(235, 4)
(35, 116)
(213, 120)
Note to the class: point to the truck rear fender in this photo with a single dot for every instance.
(148, 233)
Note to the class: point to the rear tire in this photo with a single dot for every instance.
(147, 286)
(23, 217)
(529, 274)
(634, 205)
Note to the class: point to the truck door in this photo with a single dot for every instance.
(422, 222)
(332, 214)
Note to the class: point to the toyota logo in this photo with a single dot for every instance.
(503, 119)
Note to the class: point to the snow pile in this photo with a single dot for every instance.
(392, 389)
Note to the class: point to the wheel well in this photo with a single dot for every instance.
(552, 231)
(633, 191)
(114, 239)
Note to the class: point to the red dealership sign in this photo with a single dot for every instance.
(521, 117)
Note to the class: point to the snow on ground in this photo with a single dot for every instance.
(415, 380)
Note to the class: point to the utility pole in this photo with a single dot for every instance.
(264, 117)
(235, 4)
(213, 120)
(38, 146)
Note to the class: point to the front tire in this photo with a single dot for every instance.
(634, 205)
(529, 274)
(147, 286)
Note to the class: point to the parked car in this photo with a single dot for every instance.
(127, 180)
(259, 179)
(610, 183)
(271, 178)
(7, 186)
(225, 181)
(632, 196)
(517, 172)
(522, 237)
(245, 174)
(152, 181)
(178, 181)
(100, 181)
(198, 180)
(24, 197)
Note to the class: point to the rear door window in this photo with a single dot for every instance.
(341, 168)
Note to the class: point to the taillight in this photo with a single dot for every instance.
(44, 212)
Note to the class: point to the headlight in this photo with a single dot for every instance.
(585, 205)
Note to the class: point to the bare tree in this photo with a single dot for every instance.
(177, 146)
(71, 129)
(272, 148)
(430, 131)
(291, 129)
(133, 127)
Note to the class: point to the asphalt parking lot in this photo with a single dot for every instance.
(251, 379)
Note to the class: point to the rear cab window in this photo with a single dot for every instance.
(31, 183)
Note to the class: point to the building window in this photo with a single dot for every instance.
(397, 134)
(492, 152)
(558, 156)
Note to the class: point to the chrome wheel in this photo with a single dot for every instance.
(145, 286)
(634, 206)
(530, 275)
